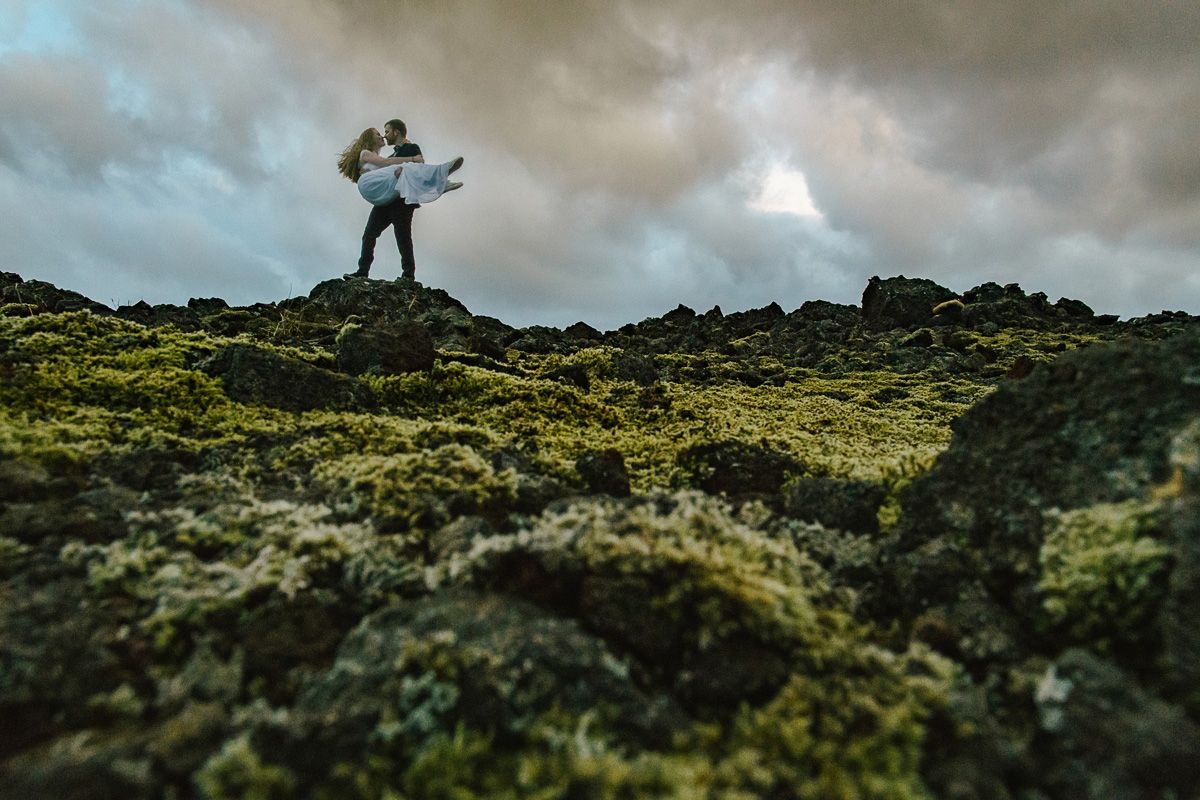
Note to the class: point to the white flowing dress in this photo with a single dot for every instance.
(417, 183)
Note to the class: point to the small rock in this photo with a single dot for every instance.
(603, 471)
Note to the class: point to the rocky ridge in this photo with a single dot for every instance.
(364, 543)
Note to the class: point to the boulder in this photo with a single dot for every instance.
(737, 468)
(603, 472)
(835, 503)
(1092, 427)
(900, 302)
(1105, 736)
(254, 375)
(45, 297)
(405, 347)
(486, 661)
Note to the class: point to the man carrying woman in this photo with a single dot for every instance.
(395, 186)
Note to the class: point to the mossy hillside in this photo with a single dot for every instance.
(859, 425)
(79, 378)
(184, 578)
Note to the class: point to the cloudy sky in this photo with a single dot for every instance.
(622, 157)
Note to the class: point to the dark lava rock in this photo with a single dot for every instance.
(900, 302)
(583, 332)
(387, 304)
(535, 490)
(253, 375)
(488, 661)
(1075, 308)
(745, 323)
(638, 611)
(825, 311)
(835, 503)
(633, 367)
(574, 374)
(141, 312)
(539, 339)
(737, 468)
(407, 347)
(22, 480)
(205, 306)
(1104, 736)
(377, 300)
(45, 297)
(1181, 607)
(487, 346)
(922, 337)
(603, 472)
(1101, 425)
(1010, 307)
(1093, 426)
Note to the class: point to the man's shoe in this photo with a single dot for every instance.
(455, 165)
(359, 274)
(408, 276)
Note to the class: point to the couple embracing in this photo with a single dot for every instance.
(395, 187)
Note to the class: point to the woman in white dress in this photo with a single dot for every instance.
(410, 177)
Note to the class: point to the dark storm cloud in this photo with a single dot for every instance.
(1094, 106)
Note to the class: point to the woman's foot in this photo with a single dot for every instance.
(455, 164)
(452, 185)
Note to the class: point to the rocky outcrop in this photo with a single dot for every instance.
(487, 661)
(19, 296)
(900, 302)
(405, 347)
(1093, 427)
(603, 472)
(1062, 516)
(253, 375)
(737, 469)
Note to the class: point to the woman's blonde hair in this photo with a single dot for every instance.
(348, 163)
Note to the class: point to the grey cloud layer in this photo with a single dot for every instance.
(612, 145)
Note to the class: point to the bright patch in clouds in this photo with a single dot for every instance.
(33, 27)
(785, 191)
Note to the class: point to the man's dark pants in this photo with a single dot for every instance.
(399, 216)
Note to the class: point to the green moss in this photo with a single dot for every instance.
(120, 702)
(190, 564)
(238, 773)
(723, 574)
(285, 510)
(1101, 570)
(422, 489)
(855, 732)
(63, 444)
(836, 425)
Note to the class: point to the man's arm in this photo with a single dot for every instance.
(380, 161)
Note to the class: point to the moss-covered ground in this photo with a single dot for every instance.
(191, 586)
